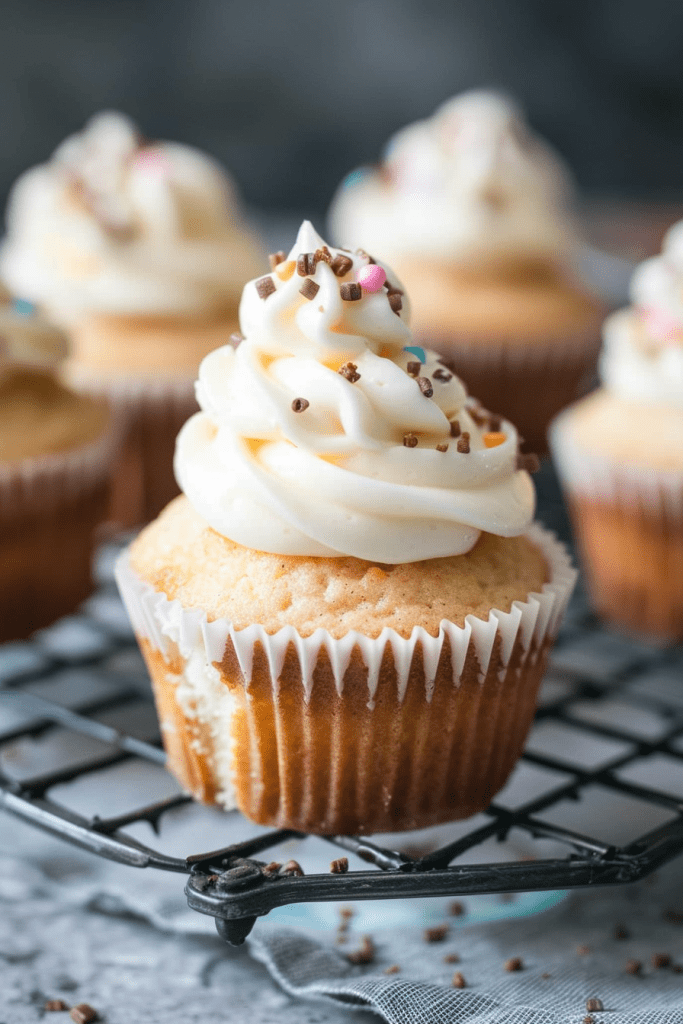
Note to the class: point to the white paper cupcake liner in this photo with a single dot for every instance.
(592, 474)
(532, 621)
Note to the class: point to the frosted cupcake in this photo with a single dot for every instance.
(347, 615)
(56, 453)
(473, 211)
(136, 248)
(620, 455)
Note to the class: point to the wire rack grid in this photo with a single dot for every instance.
(604, 693)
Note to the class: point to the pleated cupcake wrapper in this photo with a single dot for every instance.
(43, 482)
(596, 476)
(533, 621)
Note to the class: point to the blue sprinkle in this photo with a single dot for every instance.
(23, 307)
(417, 351)
(354, 177)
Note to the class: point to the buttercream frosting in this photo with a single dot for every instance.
(642, 357)
(470, 184)
(115, 224)
(327, 431)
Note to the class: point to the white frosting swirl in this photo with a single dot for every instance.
(642, 357)
(357, 472)
(112, 224)
(469, 184)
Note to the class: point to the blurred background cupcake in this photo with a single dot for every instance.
(137, 249)
(473, 212)
(57, 449)
(619, 453)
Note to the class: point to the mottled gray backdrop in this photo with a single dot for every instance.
(290, 95)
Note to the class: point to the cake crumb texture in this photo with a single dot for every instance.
(183, 557)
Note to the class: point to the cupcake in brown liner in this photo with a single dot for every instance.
(619, 453)
(347, 617)
(473, 212)
(56, 452)
(136, 248)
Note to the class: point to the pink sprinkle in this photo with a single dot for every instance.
(371, 278)
(661, 325)
(151, 160)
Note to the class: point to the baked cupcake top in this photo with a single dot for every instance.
(114, 223)
(326, 431)
(642, 358)
(471, 185)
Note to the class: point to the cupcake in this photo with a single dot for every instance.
(136, 249)
(56, 452)
(619, 453)
(473, 212)
(347, 614)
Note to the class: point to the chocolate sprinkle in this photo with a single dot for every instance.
(594, 1005)
(292, 867)
(350, 372)
(265, 287)
(351, 291)
(621, 932)
(55, 1005)
(478, 416)
(309, 289)
(515, 963)
(322, 255)
(451, 958)
(456, 909)
(495, 423)
(464, 443)
(395, 301)
(442, 374)
(410, 441)
(83, 1014)
(272, 869)
(394, 969)
(442, 447)
(437, 934)
(412, 369)
(392, 289)
(633, 967)
(341, 265)
(425, 386)
(305, 264)
(276, 257)
(458, 981)
(339, 866)
(300, 404)
(365, 954)
(661, 961)
(455, 428)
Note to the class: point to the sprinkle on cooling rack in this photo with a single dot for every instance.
(272, 869)
(55, 1005)
(425, 386)
(395, 301)
(458, 981)
(621, 932)
(660, 961)
(455, 428)
(305, 264)
(633, 967)
(351, 291)
(394, 969)
(309, 289)
(341, 265)
(594, 1005)
(300, 404)
(464, 443)
(265, 287)
(436, 934)
(83, 1014)
(339, 866)
(451, 958)
(276, 257)
(292, 867)
(365, 954)
(350, 372)
(410, 441)
(515, 963)
(456, 909)
(443, 447)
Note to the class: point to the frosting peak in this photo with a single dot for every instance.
(327, 431)
(471, 183)
(114, 223)
(642, 358)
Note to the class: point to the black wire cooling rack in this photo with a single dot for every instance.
(603, 689)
